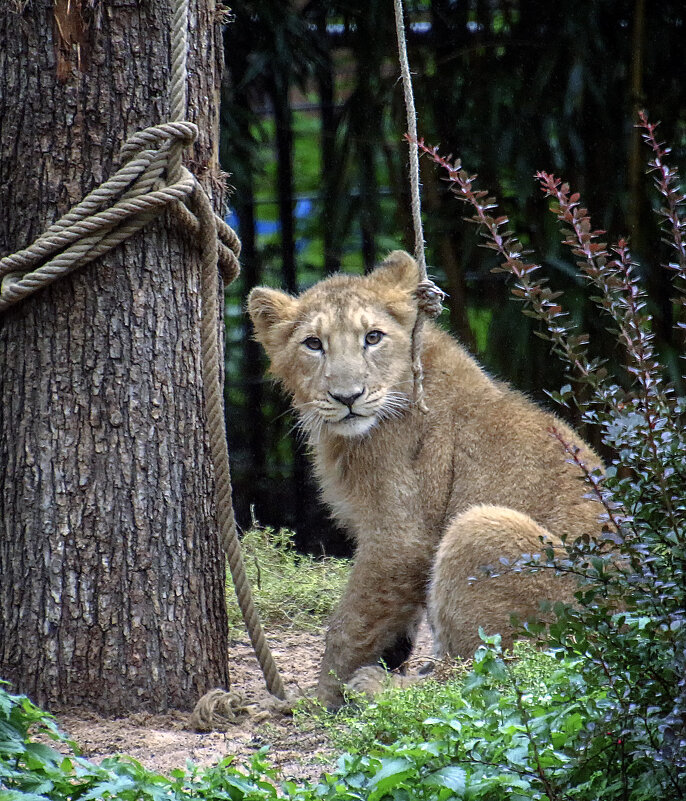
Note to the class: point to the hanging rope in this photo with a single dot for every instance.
(214, 396)
(214, 403)
(429, 296)
(151, 179)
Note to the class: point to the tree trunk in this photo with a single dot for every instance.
(112, 592)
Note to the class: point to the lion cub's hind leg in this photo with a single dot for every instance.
(474, 541)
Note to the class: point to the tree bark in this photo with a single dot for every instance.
(112, 592)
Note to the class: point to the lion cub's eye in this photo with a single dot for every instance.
(373, 338)
(313, 343)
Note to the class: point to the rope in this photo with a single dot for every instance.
(219, 711)
(411, 115)
(179, 76)
(211, 374)
(218, 447)
(111, 213)
(152, 178)
(429, 296)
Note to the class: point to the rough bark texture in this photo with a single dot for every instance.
(112, 591)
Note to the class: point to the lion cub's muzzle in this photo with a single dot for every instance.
(351, 411)
(349, 399)
(354, 416)
(346, 411)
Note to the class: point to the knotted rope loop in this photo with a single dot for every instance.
(135, 194)
(218, 710)
(184, 133)
(228, 243)
(429, 304)
(430, 298)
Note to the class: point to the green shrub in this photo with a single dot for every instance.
(512, 728)
(488, 736)
(395, 714)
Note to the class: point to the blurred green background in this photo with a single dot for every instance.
(312, 127)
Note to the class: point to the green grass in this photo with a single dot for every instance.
(289, 589)
(363, 725)
(395, 714)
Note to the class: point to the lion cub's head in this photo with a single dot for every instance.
(342, 349)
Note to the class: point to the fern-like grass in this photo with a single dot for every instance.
(290, 590)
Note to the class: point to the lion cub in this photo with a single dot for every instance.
(430, 498)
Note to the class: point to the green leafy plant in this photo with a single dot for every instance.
(511, 728)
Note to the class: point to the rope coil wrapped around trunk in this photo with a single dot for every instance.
(114, 211)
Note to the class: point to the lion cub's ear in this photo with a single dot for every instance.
(398, 270)
(395, 280)
(272, 313)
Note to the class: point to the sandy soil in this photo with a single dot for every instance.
(164, 742)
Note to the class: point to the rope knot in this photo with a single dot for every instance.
(181, 133)
(429, 298)
(218, 710)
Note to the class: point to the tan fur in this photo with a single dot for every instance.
(430, 499)
(459, 585)
(370, 680)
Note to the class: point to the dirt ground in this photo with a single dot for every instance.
(164, 742)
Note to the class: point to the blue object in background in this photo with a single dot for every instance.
(303, 210)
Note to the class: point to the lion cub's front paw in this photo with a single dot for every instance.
(371, 679)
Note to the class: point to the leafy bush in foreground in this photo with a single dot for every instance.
(503, 738)
(513, 727)
(501, 733)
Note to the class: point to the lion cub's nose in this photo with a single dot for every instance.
(347, 400)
